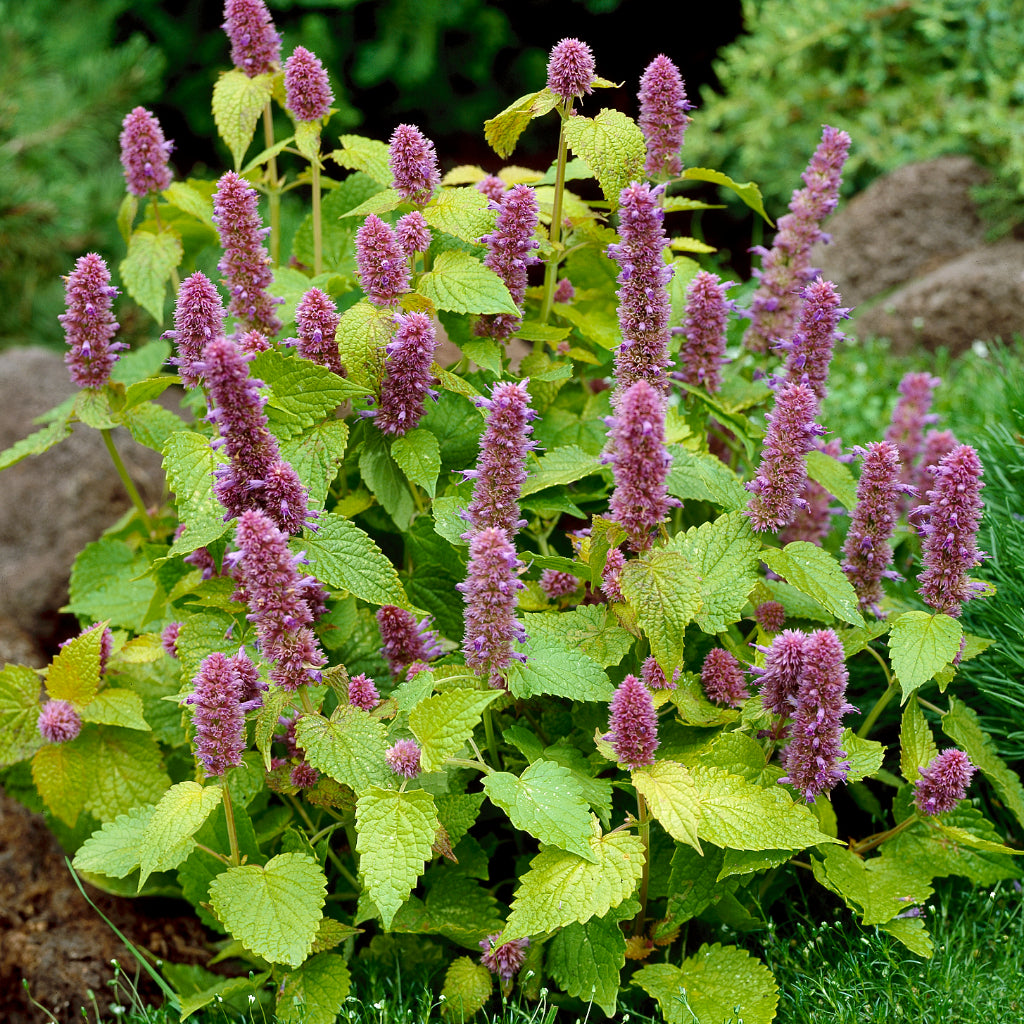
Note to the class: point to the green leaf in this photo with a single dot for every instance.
(457, 813)
(547, 802)
(151, 424)
(671, 794)
(917, 747)
(467, 987)
(961, 725)
(238, 102)
(462, 212)
(663, 590)
(189, 462)
(92, 407)
(418, 454)
(316, 455)
(395, 832)
(378, 203)
(556, 669)
(272, 910)
(148, 267)
(858, 638)
(591, 629)
(612, 145)
(307, 139)
(560, 887)
(698, 477)
(559, 466)
(815, 572)
(503, 130)
(911, 932)
(920, 644)
(316, 992)
(381, 474)
(718, 983)
(61, 772)
(107, 583)
(113, 850)
(181, 812)
(456, 907)
(585, 960)
(462, 284)
(444, 722)
(74, 675)
(125, 771)
(349, 746)
(970, 840)
(363, 332)
(865, 756)
(371, 156)
(748, 192)
(116, 706)
(485, 353)
(126, 215)
(19, 713)
(448, 521)
(345, 558)
(189, 200)
(36, 443)
(834, 476)
(693, 885)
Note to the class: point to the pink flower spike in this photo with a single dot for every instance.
(407, 378)
(303, 775)
(812, 521)
(199, 316)
(404, 640)
(610, 576)
(218, 714)
(316, 323)
(89, 324)
(404, 758)
(770, 616)
(943, 784)
(492, 187)
(663, 118)
(307, 89)
(505, 960)
(653, 676)
(382, 267)
(413, 163)
(633, 725)
(557, 584)
(362, 692)
(255, 44)
(144, 153)
(413, 233)
(780, 676)
(707, 314)
(59, 722)
(810, 351)
(723, 679)
(570, 69)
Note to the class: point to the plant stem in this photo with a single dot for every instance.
(307, 704)
(880, 837)
(931, 707)
(126, 479)
(273, 191)
(879, 707)
(551, 269)
(229, 818)
(644, 820)
(214, 853)
(492, 743)
(318, 238)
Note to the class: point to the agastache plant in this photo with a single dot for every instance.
(381, 262)
(199, 317)
(703, 350)
(663, 118)
(307, 88)
(144, 153)
(413, 163)
(809, 352)
(407, 375)
(405, 640)
(316, 323)
(89, 324)
(255, 43)
(943, 782)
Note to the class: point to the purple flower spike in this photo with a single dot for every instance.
(810, 351)
(653, 676)
(950, 528)
(704, 329)
(199, 317)
(404, 639)
(663, 117)
(644, 306)
(557, 584)
(505, 960)
(219, 712)
(89, 324)
(509, 252)
(253, 342)
(610, 575)
(382, 265)
(785, 270)
(783, 470)
(490, 592)
(407, 376)
(633, 724)
(413, 233)
(492, 187)
(59, 722)
(245, 263)
(169, 638)
(362, 692)
(306, 86)
(780, 676)
(723, 679)
(564, 291)
(943, 784)
(413, 164)
(770, 616)
(316, 322)
(404, 758)
(812, 522)
(937, 444)
(570, 69)
(814, 760)
(255, 44)
(640, 464)
(144, 153)
(303, 775)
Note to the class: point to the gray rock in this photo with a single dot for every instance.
(17, 647)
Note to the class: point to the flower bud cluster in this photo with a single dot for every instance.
(89, 324)
(723, 679)
(707, 313)
(404, 640)
(943, 783)
(306, 85)
(570, 69)
(663, 118)
(407, 377)
(316, 324)
(255, 43)
(144, 153)
(413, 163)
(199, 316)
(633, 724)
(810, 349)
(381, 262)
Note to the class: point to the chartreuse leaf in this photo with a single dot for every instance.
(917, 747)
(865, 756)
(74, 675)
(116, 706)
(362, 333)
(589, 629)
(456, 907)
(467, 987)
(748, 192)
(107, 582)
(740, 815)
(113, 850)
(189, 462)
(151, 424)
(834, 476)
(961, 725)
(316, 456)
(238, 101)
(920, 644)
(671, 795)
(460, 283)
(815, 572)
(148, 266)
(125, 770)
(395, 832)
(718, 983)
(19, 712)
(692, 885)
(613, 146)
(181, 812)
(190, 200)
(552, 667)
(349, 746)
(560, 887)
(273, 910)
(462, 212)
(92, 407)
(370, 156)
(36, 443)
(457, 812)
(61, 773)
(559, 466)
(548, 802)
(485, 353)
(663, 590)
(911, 932)
(316, 992)
(970, 840)
(307, 139)
(699, 477)
(418, 454)
(444, 722)
(503, 130)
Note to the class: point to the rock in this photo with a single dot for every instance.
(17, 647)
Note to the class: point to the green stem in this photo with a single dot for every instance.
(229, 817)
(307, 704)
(274, 190)
(551, 269)
(129, 484)
(326, 832)
(880, 837)
(644, 820)
(931, 707)
(464, 762)
(318, 239)
(890, 691)
(214, 853)
(492, 743)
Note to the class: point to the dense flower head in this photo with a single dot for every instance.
(144, 153)
(362, 692)
(403, 758)
(557, 584)
(949, 524)
(413, 233)
(501, 466)
(413, 163)
(640, 463)
(786, 269)
(644, 307)
(723, 679)
(943, 783)
(663, 118)
(909, 419)
(633, 724)
(509, 252)
(770, 616)
(782, 473)
(654, 678)
(707, 314)
(307, 89)
(59, 722)
(316, 323)
(809, 352)
(245, 263)
(404, 640)
(254, 342)
(255, 43)
(490, 591)
(571, 69)
(565, 292)
(814, 760)
(303, 775)
(505, 960)
(199, 316)
(169, 638)
(610, 575)
(89, 324)
(780, 676)
(937, 444)
(381, 263)
(492, 187)
(255, 477)
(407, 378)
(812, 521)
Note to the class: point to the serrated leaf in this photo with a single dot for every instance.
(147, 268)
(561, 888)
(332, 933)
(19, 713)
(363, 332)
(559, 466)
(74, 675)
(485, 353)
(189, 200)
(448, 521)
(371, 156)
(36, 443)
(273, 910)
(912, 933)
(834, 476)
(692, 886)
(970, 840)
(699, 477)
(748, 862)
(378, 203)
(418, 454)
(671, 795)
(395, 832)
(457, 812)
(503, 130)
(462, 212)
(857, 638)
(588, 628)
(917, 747)
(181, 812)
(920, 644)
(467, 987)
(349, 746)
(316, 455)
(61, 772)
(116, 706)
(316, 992)
(613, 146)
(748, 192)
(865, 756)
(151, 424)
(113, 850)
(92, 407)
(585, 960)
(456, 907)
(444, 722)
(554, 668)
(189, 462)
(547, 802)
(238, 102)
(815, 572)
(462, 284)
(125, 771)
(381, 474)
(107, 583)
(307, 139)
